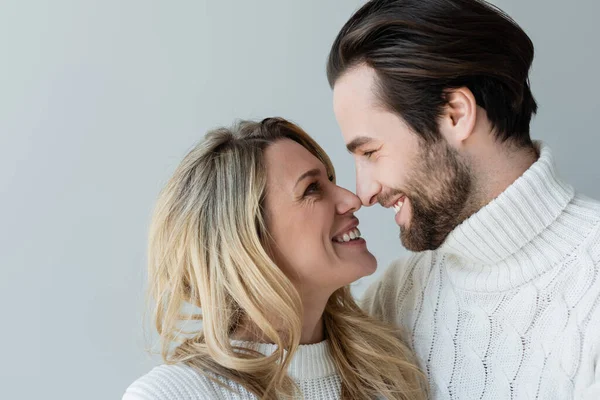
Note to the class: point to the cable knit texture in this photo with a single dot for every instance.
(509, 306)
(312, 368)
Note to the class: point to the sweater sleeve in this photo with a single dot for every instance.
(172, 382)
(382, 297)
(370, 302)
(593, 392)
(135, 396)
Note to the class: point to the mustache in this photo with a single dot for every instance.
(385, 198)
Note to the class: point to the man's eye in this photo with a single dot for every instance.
(368, 154)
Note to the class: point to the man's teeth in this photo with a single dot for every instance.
(346, 237)
(398, 206)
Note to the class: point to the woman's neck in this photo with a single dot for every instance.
(313, 328)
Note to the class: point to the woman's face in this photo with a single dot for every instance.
(311, 221)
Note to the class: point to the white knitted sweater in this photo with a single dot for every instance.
(509, 306)
(312, 368)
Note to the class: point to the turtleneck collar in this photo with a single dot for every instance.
(310, 361)
(516, 237)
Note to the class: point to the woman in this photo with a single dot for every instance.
(253, 230)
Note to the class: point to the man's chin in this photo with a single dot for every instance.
(420, 239)
(414, 241)
(407, 239)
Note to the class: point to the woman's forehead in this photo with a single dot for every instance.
(287, 160)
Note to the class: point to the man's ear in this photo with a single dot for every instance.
(459, 116)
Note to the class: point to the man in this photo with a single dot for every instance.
(501, 297)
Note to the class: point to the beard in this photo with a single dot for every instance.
(439, 190)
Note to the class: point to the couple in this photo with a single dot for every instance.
(500, 298)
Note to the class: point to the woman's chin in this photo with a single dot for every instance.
(370, 265)
(362, 265)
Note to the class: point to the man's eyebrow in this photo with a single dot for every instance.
(357, 142)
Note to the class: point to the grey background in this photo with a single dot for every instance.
(100, 100)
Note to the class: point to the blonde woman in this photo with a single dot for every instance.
(253, 230)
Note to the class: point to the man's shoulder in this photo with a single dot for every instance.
(587, 203)
(587, 210)
(407, 266)
(401, 278)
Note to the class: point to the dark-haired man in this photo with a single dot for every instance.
(501, 297)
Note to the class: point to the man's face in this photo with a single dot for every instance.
(427, 184)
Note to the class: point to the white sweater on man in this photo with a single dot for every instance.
(509, 306)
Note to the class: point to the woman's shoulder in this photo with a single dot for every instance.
(173, 382)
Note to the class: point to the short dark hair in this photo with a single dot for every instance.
(420, 49)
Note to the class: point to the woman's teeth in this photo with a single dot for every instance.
(398, 206)
(348, 236)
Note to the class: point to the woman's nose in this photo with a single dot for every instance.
(347, 202)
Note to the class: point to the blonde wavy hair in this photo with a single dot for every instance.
(208, 248)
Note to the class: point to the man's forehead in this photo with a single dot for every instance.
(355, 88)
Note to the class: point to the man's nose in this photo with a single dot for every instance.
(367, 188)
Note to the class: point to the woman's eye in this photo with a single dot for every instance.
(313, 188)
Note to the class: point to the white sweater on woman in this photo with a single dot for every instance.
(509, 306)
(312, 368)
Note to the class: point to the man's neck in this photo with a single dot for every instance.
(495, 167)
(503, 169)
